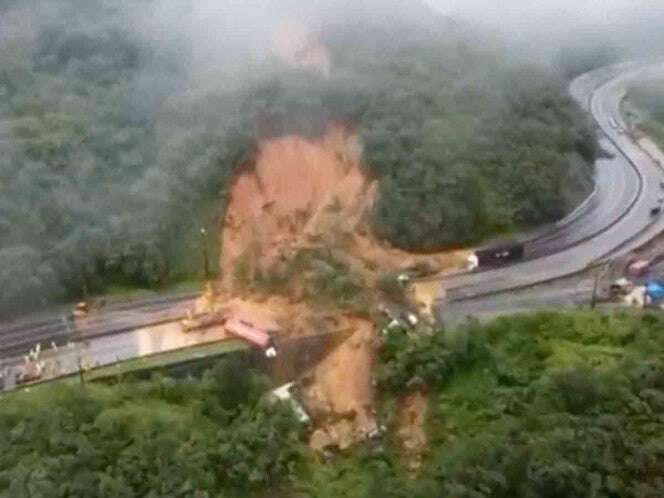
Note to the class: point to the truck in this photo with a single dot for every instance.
(254, 335)
(499, 255)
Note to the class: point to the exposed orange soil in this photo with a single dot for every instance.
(338, 392)
(304, 194)
(300, 195)
(278, 205)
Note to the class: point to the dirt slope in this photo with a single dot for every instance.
(298, 253)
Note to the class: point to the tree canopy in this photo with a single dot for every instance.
(532, 406)
(116, 147)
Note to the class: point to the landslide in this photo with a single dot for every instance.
(297, 223)
(297, 247)
(308, 216)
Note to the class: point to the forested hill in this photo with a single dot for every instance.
(543, 406)
(122, 122)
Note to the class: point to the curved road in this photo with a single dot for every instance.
(613, 221)
(628, 186)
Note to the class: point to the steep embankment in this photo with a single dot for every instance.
(298, 252)
(297, 247)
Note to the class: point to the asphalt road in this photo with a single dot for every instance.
(18, 338)
(567, 294)
(613, 221)
(628, 186)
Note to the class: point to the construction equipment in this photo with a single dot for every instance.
(201, 321)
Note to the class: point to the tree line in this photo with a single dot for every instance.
(114, 151)
(532, 406)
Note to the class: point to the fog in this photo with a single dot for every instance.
(630, 25)
(549, 13)
(121, 121)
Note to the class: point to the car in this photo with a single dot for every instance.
(656, 211)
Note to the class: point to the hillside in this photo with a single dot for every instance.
(123, 126)
(646, 103)
(550, 405)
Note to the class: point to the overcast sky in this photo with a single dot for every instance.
(523, 12)
(543, 22)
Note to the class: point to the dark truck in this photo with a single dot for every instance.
(500, 255)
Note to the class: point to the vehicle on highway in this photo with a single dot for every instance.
(656, 211)
(499, 255)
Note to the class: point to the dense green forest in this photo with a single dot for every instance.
(646, 106)
(118, 139)
(545, 405)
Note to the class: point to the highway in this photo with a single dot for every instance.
(618, 219)
(18, 338)
(614, 220)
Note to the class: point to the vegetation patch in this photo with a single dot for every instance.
(115, 151)
(507, 417)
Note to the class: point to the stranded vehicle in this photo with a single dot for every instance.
(235, 326)
(252, 334)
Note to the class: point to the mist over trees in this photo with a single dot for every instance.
(122, 124)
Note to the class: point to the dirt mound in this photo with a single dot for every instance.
(309, 193)
(281, 202)
(339, 394)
